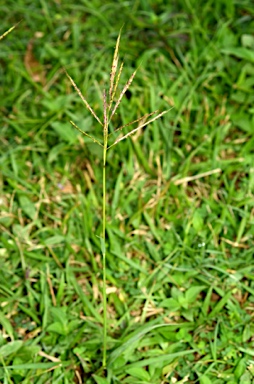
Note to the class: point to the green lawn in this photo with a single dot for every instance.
(180, 206)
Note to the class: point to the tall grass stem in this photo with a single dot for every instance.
(104, 292)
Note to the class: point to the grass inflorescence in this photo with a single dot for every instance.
(110, 106)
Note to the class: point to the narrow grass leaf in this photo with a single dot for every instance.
(161, 360)
(6, 325)
(152, 227)
(116, 195)
(142, 157)
(37, 365)
(83, 99)
(55, 240)
(65, 132)
(130, 262)
(248, 351)
(207, 301)
(138, 373)
(53, 254)
(86, 134)
(204, 380)
(220, 304)
(100, 380)
(192, 293)
(11, 347)
(214, 344)
(240, 53)
(240, 368)
(30, 313)
(137, 335)
(88, 307)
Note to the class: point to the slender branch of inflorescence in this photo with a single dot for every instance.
(136, 129)
(127, 85)
(9, 31)
(83, 99)
(144, 117)
(86, 134)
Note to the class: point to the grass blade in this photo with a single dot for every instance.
(37, 365)
(136, 336)
(162, 359)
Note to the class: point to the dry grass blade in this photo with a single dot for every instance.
(114, 68)
(83, 99)
(196, 177)
(139, 127)
(133, 122)
(86, 134)
(127, 85)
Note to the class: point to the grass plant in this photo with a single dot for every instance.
(179, 203)
(110, 106)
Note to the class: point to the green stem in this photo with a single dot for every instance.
(104, 293)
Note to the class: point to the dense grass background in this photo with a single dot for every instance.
(180, 204)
